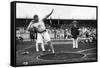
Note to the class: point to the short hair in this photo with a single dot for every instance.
(35, 16)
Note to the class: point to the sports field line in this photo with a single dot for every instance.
(24, 49)
(88, 54)
(85, 50)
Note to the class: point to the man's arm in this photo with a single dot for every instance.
(29, 26)
(48, 15)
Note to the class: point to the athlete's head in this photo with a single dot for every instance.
(36, 18)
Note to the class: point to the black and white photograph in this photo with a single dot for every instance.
(45, 33)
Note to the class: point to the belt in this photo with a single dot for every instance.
(42, 31)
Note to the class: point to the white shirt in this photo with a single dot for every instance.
(40, 26)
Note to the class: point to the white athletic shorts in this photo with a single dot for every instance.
(43, 37)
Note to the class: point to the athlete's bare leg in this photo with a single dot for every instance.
(51, 46)
(37, 47)
(42, 46)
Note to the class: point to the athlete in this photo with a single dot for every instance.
(38, 26)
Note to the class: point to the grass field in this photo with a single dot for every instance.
(64, 53)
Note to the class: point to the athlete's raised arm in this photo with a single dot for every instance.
(48, 15)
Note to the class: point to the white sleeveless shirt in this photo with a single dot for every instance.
(40, 26)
